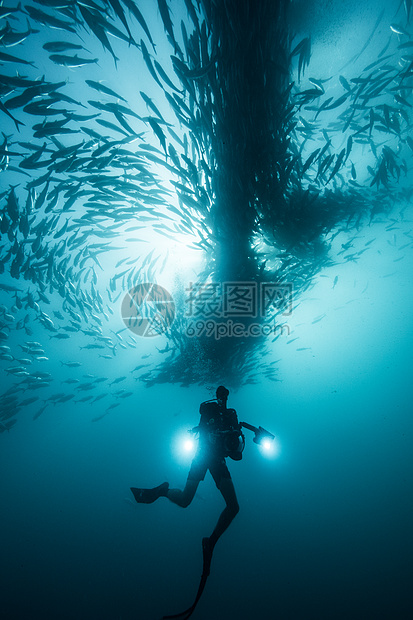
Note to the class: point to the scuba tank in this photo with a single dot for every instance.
(229, 442)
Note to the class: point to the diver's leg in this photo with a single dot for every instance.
(226, 486)
(196, 474)
(185, 497)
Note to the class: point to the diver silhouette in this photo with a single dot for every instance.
(220, 436)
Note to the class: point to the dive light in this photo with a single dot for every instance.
(261, 436)
(189, 444)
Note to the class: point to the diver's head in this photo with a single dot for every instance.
(222, 395)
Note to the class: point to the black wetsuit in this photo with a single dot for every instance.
(213, 448)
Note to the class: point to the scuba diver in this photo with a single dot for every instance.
(220, 436)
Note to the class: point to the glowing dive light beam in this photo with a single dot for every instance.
(188, 445)
(266, 441)
(266, 445)
(184, 446)
(269, 447)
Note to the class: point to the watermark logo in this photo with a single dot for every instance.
(148, 310)
(211, 309)
(234, 329)
(248, 300)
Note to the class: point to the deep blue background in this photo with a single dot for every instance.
(324, 531)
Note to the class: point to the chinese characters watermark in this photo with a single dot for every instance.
(211, 309)
(238, 299)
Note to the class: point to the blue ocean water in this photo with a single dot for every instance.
(324, 529)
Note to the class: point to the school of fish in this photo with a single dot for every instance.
(233, 151)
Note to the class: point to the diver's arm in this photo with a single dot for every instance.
(233, 423)
(203, 425)
(201, 428)
(250, 427)
(260, 432)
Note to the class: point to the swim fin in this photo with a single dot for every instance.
(148, 496)
(207, 550)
